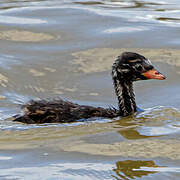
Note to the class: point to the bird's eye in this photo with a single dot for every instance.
(138, 67)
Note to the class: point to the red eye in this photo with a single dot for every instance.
(157, 72)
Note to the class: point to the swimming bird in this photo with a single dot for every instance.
(127, 68)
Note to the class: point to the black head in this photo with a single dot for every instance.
(131, 66)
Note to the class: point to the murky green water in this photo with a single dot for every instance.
(66, 48)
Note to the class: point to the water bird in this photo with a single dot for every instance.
(127, 68)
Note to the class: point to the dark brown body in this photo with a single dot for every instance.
(60, 111)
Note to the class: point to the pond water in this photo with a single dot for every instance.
(51, 48)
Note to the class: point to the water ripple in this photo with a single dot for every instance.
(156, 121)
(134, 11)
(89, 171)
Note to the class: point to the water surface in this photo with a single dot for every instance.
(66, 48)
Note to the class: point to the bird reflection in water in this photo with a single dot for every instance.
(129, 169)
(129, 127)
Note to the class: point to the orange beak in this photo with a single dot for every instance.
(154, 74)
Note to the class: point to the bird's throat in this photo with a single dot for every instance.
(126, 96)
(126, 99)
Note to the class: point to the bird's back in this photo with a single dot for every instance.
(58, 110)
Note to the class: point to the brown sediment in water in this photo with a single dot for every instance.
(25, 36)
(34, 72)
(49, 69)
(101, 59)
(49, 136)
(136, 149)
(71, 139)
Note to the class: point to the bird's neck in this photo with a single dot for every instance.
(125, 95)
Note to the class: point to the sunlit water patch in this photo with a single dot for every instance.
(5, 158)
(20, 20)
(126, 29)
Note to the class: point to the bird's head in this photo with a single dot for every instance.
(131, 66)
